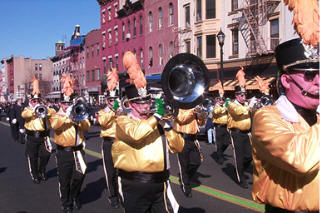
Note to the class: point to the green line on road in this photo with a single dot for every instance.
(204, 189)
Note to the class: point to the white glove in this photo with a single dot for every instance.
(8, 119)
(253, 101)
(14, 121)
(68, 111)
(318, 109)
(22, 131)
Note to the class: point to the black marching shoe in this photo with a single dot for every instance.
(43, 176)
(187, 192)
(244, 184)
(114, 203)
(76, 204)
(36, 180)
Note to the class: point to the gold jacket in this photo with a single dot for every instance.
(186, 121)
(286, 161)
(138, 145)
(220, 115)
(65, 131)
(239, 116)
(106, 119)
(32, 122)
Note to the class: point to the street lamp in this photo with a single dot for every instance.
(221, 36)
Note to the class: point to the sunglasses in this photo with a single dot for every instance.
(307, 74)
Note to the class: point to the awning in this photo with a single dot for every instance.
(251, 84)
(55, 94)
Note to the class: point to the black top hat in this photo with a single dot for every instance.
(133, 95)
(111, 94)
(295, 55)
(36, 96)
(66, 99)
(239, 89)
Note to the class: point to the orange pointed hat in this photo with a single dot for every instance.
(67, 89)
(137, 89)
(113, 84)
(263, 85)
(35, 92)
(220, 89)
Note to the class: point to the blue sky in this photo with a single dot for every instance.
(30, 28)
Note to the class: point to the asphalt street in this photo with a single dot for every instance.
(215, 187)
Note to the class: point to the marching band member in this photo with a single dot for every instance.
(68, 135)
(140, 150)
(239, 124)
(220, 120)
(189, 160)
(285, 136)
(38, 147)
(106, 119)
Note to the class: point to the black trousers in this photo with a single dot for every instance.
(141, 197)
(109, 170)
(243, 152)
(223, 140)
(189, 161)
(271, 209)
(14, 131)
(37, 154)
(70, 180)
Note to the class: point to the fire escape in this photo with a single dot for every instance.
(254, 15)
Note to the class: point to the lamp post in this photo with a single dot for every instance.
(221, 36)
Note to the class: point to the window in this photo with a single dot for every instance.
(92, 75)
(98, 74)
(235, 42)
(109, 13)
(199, 10)
(188, 46)
(36, 67)
(141, 25)
(150, 21)
(234, 5)
(117, 61)
(187, 16)
(134, 27)
(150, 55)
(199, 46)
(103, 16)
(92, 50)
(88, 76)
(160, 54)
(274, 33)
(129, 27)
(211, 46)
(104, 66)
(160, 18)
(98, 49)
(171, 11)
(116, 35)
(103, 39)
(40, 67)
(36, 75)
(40, 77)
(116, 9)
(88, 52)
(110, 62)
(141, 57)
(110, 37)
(171, 49)
(210, 9)
(123, 31)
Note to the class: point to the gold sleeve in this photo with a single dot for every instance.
(185, 116)
(84, 125)
(175, 141)
(130, 130)
(51, 111)
(28, 113)
(238, 110)
(276, 141)
(105, 118)
(57, 121)
(219, 110)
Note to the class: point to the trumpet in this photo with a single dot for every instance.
(79, 112)
(41, 111)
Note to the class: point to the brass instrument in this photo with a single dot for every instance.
(41, 111)
(79, 110)
(184, 80)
